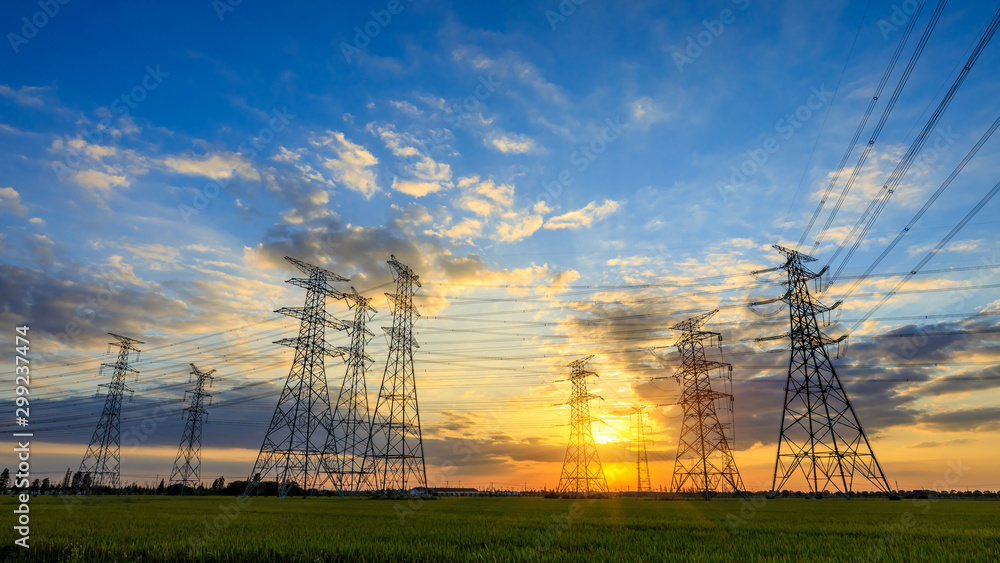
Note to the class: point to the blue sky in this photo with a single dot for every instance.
(559, 156)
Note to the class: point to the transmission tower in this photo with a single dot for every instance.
(704, 458)
(345, 448)
(101, 465)
(582, 472)
(820, 432)
(187, 464)
(641, 461)
(394, 455)
(294, 444)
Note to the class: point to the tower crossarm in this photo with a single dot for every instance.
(403, 271)
(689, 337)
(694, 323)
(310, 314)
(308, 342)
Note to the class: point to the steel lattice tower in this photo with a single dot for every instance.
(102, 462)
(582, 472)
(394, 456)
(295, 440)
(641, 461)
(187, 464)
(704, 456)
(345, 448)
(820, 432)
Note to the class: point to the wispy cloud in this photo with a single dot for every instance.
(584, 217)
(353, 164)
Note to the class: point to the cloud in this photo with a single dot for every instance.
(10, 201)
(510, 143)
(29, 96)
(405, 107)
(484, 198)
(420, 174)
(415, 189)
(81, 305)
(217, 166)
(583, 217)
(99, 180)
(353, 164)
(645, 112)
(981, 419)
(518, 225)
(467, 229)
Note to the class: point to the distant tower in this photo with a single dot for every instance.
(704, 459)
(582, 472)
(347, 441)
(294, 444)
(394, 456)
(820, 432)
(641, 462)
(187, 464)
(101, 465)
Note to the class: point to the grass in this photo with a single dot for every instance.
(504, 529)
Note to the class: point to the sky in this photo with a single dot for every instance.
(567, 179)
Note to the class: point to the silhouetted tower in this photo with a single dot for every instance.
(293, 446)
(394, 456)
(820, 432)
(641, 461)
(345, 449)
(582, 472)
(704, 459)
(101, 465)
(187, 464)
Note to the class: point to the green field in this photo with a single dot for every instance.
(504, 529)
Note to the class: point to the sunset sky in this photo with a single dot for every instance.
(567, 179)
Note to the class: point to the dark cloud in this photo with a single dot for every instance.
(81, 304)
(981, 380)
(881, 375)
(939, 444)
(361, 252)
(963, 420)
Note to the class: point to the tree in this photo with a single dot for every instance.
(219, 484)
(4, 479)
(161, 488)
(46, 484)
(36, 483)
(77, 481)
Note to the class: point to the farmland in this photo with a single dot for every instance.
(153, 528)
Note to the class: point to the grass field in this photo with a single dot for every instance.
(504, 529)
